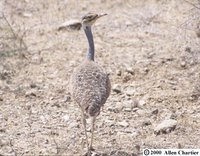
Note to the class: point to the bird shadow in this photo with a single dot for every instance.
(112, 153)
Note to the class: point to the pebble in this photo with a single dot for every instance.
(27, 14)
(141, 103)
(127, 109)
(130, 105)
(119, 153)
(126, 78)
(31, 93)
(183, 64)
(33, 85)
(166, 126)
(123, 123)
(130, 91)
(71, 24)
(110, 122)
(130, 70)
(140, 112)
(128, 23)
(111, 109)
(66, 98)
(116, 88)
(119, 72)
(65, 117)
(73, 125)
(198, 33)
(119, 106)
(116, 109)
(155, 111)
(36, 59)
(146, 123)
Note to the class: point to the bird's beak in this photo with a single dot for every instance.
(101, 15)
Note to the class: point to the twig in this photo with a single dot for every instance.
(192, 4)
(57, 148)
(15, 35)
(11, 145)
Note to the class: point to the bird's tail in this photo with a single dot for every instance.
(94, 109)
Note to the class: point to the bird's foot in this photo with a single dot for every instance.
(91, 148)
(90, 152)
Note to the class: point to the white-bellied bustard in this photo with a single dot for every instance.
(90, 84)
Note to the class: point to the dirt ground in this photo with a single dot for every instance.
(150, 48)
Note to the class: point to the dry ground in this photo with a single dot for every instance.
(151, 50)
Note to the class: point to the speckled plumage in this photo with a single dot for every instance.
(90, 87)
(90, 84)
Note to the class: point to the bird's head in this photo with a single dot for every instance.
(90, 18)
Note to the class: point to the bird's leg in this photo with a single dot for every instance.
(92, 131)
(84, 124)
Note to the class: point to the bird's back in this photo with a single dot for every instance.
(90, 87)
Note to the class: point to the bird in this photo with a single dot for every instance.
(89, 83)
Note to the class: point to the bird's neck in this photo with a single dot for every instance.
(90, 53)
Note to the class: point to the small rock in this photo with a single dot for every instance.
(67, 98)
(128, 23)
(171, 116)
(71, 24)
(118, 106)
(166, 126)
(130, 91)
(135, 109)
(137, 147)
(123, 123)
(119, 153)
(127, 109)
(126, 78)
(188, 49)
(2, 130)
(33, 85)
(116, 88)
(116, 109)
(140, 112)
(146, 123)
(183, 64)
(119, 72)
(155, 111)
(73, 125)
(111, 109)
(110, 122)
(36, 59)
(198, 33)
(26, 14)
(130, 105)
(65, 118)
(95, 154)
(136, 103)
(146, 70)
(141, 103)
(30, 93)
(129, 70)
(42, 118)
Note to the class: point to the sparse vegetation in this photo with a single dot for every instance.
(151, 50)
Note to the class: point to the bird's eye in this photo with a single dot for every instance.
(90, 17)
